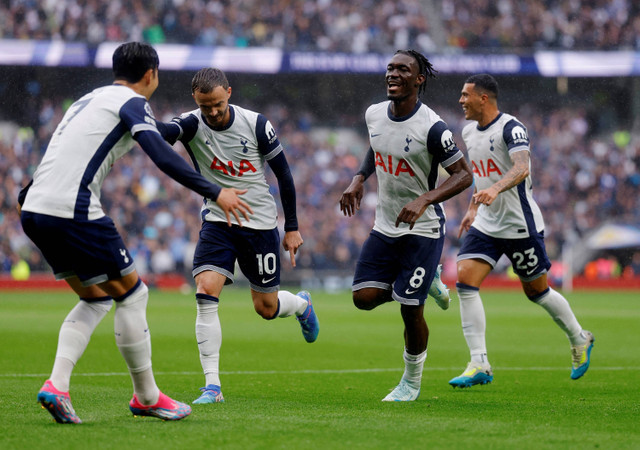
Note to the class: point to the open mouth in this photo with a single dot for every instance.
(393, 85)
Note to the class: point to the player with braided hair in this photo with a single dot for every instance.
(399, 260)
(424, 67)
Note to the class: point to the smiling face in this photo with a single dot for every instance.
(472, 101)
(403, 78)
(214, 105)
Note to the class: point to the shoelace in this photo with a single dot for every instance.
(471, 367)
(577, 353)
(404, 391)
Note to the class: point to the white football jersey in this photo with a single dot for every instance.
(234, 157)
(95, 131)
(514, 214)
(408, 151)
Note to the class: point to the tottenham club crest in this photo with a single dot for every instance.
(408, 140)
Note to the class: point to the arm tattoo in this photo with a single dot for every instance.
(517, 173)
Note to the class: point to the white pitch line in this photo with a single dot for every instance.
(318, 372)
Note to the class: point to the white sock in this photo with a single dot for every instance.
(290, 304)
(558, 308)
(209, 338)
(134, 341)
(75, 333)
(474, 323)
(413, 365)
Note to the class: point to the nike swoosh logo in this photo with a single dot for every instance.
(376, 134)
(410, 292)
(529, 272)
(266, 281)
(202, 342)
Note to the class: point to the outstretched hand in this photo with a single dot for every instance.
(229, 201)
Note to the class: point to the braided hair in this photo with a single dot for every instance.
(424, 67)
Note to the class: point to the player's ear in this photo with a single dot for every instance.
(228, 92)
(420, 79)
(148, 76)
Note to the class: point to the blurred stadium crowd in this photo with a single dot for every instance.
(334, 25)
(585, 173)
(580, 181)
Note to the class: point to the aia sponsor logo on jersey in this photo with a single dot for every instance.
(393, 166)
(484, 169)
(244, 166)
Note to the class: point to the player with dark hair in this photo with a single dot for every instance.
(399, 260)
(504, 219)
(62, 214)
(231, 146)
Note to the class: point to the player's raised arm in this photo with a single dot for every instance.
(177, 168)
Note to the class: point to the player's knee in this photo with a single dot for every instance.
(266, 311)
(364, 302)
(535, 294)
(137, 297)
(464, 274)
(203, 286)
(536, 289)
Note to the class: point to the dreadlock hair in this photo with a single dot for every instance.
(207, 79)
(424, 67)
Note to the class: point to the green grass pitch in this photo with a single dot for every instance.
(284, 393)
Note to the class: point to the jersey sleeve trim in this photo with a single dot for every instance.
(519, 148)
(447, 162)
(273, 153)
(143, 127)
(137, 116)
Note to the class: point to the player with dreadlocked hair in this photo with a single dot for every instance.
(400, 259)
(424, 67)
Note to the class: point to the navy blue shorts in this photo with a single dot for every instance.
(406, 264)
(528, 256)
(92, 250)
(257, 253)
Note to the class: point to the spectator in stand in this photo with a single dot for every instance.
(334, 26)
